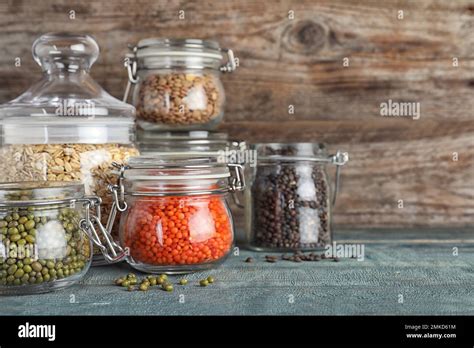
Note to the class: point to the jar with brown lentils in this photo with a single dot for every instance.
(289, 201)
(177, 83)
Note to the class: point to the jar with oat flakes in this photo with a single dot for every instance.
(66, 127)
(177, 83)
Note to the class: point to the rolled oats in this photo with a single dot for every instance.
(90, 164)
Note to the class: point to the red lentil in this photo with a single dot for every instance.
(178, 230)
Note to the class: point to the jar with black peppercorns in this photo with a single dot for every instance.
(177, 83)
(288, 201)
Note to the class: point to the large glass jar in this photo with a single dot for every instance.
(288, 201)
(45, 236)
(177, 83)
(176, 216)
(66, 127)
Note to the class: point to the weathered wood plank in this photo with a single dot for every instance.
(437, 284)
(300, 62)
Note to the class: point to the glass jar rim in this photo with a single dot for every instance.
(183, 138)
(36, 192)
(305, 152)
(191, 54)
(193, 143)
(182, 135)
(179, 42)
(178, 47)
(175, 166)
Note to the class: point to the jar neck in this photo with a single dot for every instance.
(290, 162)
(74, 68)
(176, 187)
(290, 150)
(183, 63)
(76, 77)
(38, 192)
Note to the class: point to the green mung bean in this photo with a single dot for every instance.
(21, 229)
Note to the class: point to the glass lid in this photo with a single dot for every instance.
(159, 53)
(187, 142)
(270, 153)
(179, 47)
(193, 141)
(197, 135)
(290, 151)
(175, 167)
(39, 191)
(66, 105)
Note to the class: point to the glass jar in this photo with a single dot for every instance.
(198, 144)
(288, 201)
(177, 83)
(176, 216)
(66, 127)
(45, 236)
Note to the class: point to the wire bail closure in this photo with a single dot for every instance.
(231, 65)
(131, 64)
(339, 159)
(111, 250)
(236, 183)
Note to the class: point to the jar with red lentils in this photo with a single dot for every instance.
(176, 218)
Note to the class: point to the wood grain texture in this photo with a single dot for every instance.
(431, 279)
(300, 62)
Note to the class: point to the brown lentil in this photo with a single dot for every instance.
(180, 98)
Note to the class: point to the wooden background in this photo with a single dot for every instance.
(299, 62)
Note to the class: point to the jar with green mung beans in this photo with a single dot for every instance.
(46, 236)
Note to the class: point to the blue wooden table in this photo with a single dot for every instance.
(404, 272)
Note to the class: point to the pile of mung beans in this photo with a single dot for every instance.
(131, 282)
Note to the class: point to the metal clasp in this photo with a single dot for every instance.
(111, 250)
(237, 181)
(230, 65)
(131, 65)
(339, 159)
(118, 191)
